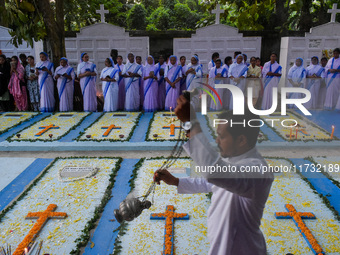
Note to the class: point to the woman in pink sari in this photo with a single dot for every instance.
(17, 86)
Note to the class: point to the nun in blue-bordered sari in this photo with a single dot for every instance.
(150, 78)
(87, 73)
(132, 72)
(313, 83)
(173, 76)
(218, 75)
(45, 71)
(237, 74)
(109, 77)
(194, 73)
(333, 81)
(271, 74)
(296, 78)
(64, 75)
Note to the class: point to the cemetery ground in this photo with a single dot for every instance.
(34, 171)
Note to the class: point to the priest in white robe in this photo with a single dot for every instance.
(239, 198)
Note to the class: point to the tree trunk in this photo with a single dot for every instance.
(281, 12)
(3, 21)
(54, 28)
(305, 19)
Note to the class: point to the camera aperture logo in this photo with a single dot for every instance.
(239, 104)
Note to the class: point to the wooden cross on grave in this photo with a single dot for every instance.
(298, 217)
(172, 129)
(45, 129)
(217, 12)
(109, 129)
(102, 13)
(169, 216)
(334, 11)
(42, 218)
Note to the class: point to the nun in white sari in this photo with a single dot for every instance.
(45, 72)
(109, 77)
(296, 78)
(132, 73)
(194, 73)
(64, 74)
(87, 73)
(314, 72)
(237, 74)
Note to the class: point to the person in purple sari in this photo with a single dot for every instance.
(150, 77)
(87, 74)
(271, 72)
(64, 75)
(333, 81)
(161, 83)
(173, 76)
(121, 83)
(45, 71)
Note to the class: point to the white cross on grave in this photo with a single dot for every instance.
(217, 11)
(102, 13)
(334, 12)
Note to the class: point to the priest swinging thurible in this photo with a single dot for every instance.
(239, 198)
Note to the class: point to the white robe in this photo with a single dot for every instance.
(110, 89)
(132, 97)
(65, 88)
(212, 81)
(237, 204)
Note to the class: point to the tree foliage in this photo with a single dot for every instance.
(136, 18)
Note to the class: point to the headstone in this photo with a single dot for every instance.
(72, 173)
(98, 40)
(320, 38)
(10, 50)
(216, 38)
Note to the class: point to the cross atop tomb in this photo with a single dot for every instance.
(102, 13)
(298, 217)
(217, 11)
(172, 129)
(169, 216)
(109, 129)
(334, 11)
(42, 218)
(45, 129)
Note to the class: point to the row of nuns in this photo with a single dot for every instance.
(151, 86)
(321, 78)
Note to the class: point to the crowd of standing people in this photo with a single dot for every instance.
(134, 86)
